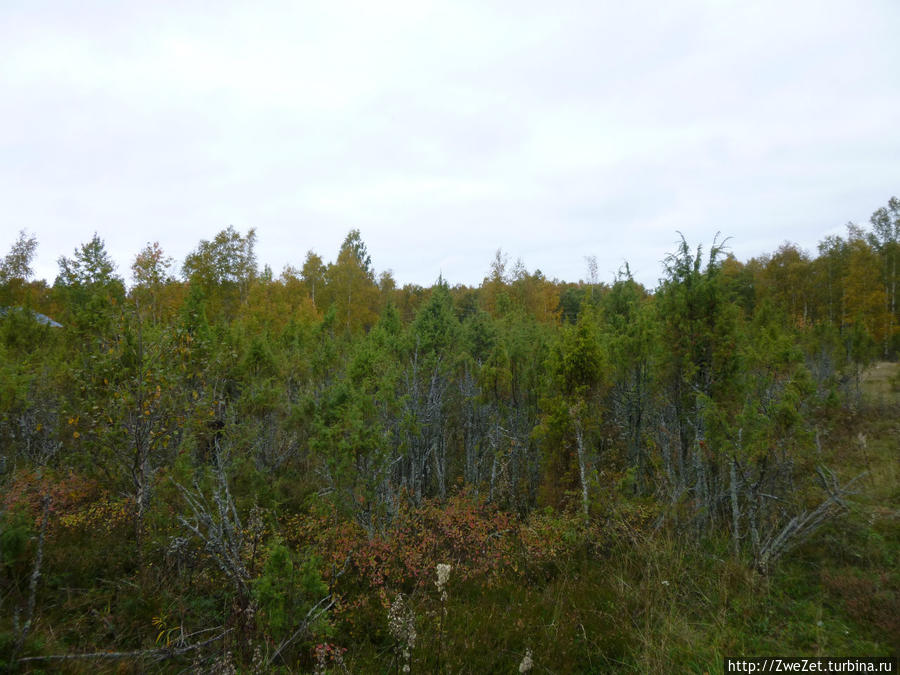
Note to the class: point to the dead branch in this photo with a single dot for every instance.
(219, 527)
(314, 613)
(802, 526)
(159, 654)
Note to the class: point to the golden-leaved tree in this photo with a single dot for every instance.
(351, 287)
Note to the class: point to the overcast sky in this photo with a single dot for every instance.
(444, 130)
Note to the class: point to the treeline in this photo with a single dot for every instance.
(333, 386)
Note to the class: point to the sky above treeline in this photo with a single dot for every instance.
(445, 130)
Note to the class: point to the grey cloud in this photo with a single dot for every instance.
(445, 130)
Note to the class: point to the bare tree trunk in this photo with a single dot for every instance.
(735, 510)
(892, 300)
(32, 585)
(582, 467)
(495, 464)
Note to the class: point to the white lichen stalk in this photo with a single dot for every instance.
(402, 625)
(527, 662)
(443, 576)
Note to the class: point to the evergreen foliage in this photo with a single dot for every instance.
(251, 470)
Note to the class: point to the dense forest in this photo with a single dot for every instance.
(211, 468)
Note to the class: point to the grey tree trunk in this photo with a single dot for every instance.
(582, 467)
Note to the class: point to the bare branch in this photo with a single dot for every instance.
(314, 613)
(159, 654)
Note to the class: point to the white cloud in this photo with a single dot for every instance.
(443, 130)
